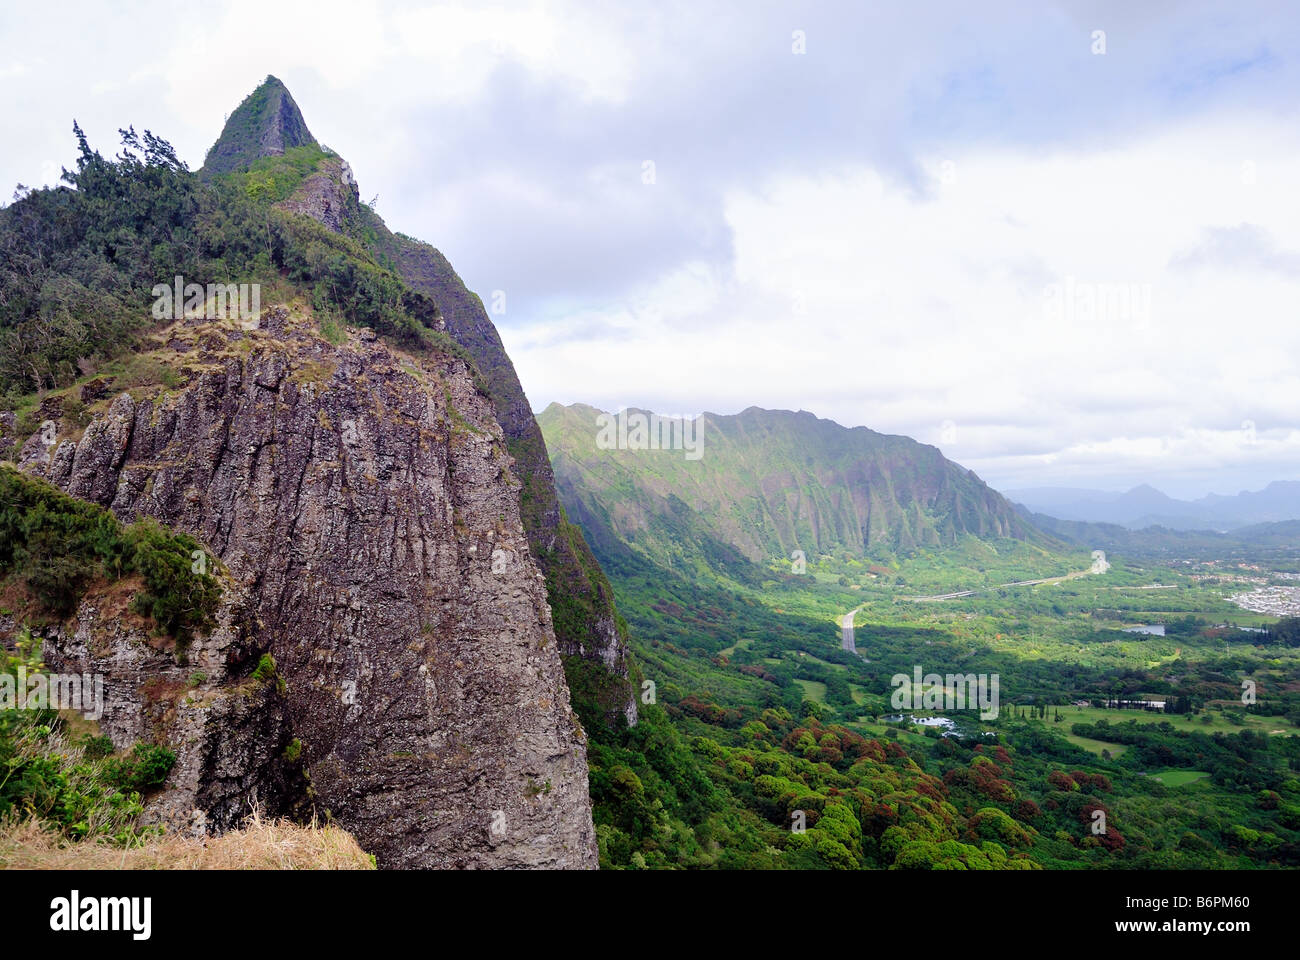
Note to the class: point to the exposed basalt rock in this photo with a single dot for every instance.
(575, 582)
(230, 732)
(586, 623)
(95, 389)
(266, 124)
(328, 196)
(34, 454)
(8, 435)
(363, 503)
(587, 626)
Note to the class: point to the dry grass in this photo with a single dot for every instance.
(260, 845)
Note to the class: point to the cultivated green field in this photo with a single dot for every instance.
(1099, 747)
(1178, 778)
(1218, 722)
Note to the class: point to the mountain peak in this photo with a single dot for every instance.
(1146, 490)
(267, 123)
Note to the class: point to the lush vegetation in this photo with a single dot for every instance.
(763, 725)
(73, 785)
(57, 546)
(737, 753)
(78, 263)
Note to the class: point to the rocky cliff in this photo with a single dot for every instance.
(267, 123)
(588, 627)
(590, 633)
(384, 650)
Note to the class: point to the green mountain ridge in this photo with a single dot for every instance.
(771, 482)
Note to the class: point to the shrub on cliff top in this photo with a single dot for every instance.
(57, 544)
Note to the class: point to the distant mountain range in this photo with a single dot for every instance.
(1144, 506)
(764, 483)
(1258, 541)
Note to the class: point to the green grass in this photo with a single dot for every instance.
(1097, 746)
(1178, 778)
(1218, 722)
(813, 690)
(825, 663)
(738, 645)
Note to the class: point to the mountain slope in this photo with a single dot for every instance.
(769, 482)
(590, 633)
(1256, 541)
(383, 649)
(267, 123)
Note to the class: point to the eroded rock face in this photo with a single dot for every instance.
(568, 563)
(328, 196)
(587, 627)
(266, 124)
(230, 730)
(364, 506)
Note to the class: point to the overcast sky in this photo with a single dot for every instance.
(960, 222)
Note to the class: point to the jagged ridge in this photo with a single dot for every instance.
(265, 124)
(769, 482)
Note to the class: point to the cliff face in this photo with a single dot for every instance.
(768, 482)
(267, 123)
(587, 626)
(229, 729)
(363, 507)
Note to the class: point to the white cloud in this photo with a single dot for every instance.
(865, 231)
(918, 310)
(462, 44)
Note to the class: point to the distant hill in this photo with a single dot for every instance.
(1257, 541)
(769, 482)
(1144, 506)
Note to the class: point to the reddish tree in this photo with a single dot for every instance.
(1027, 810)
